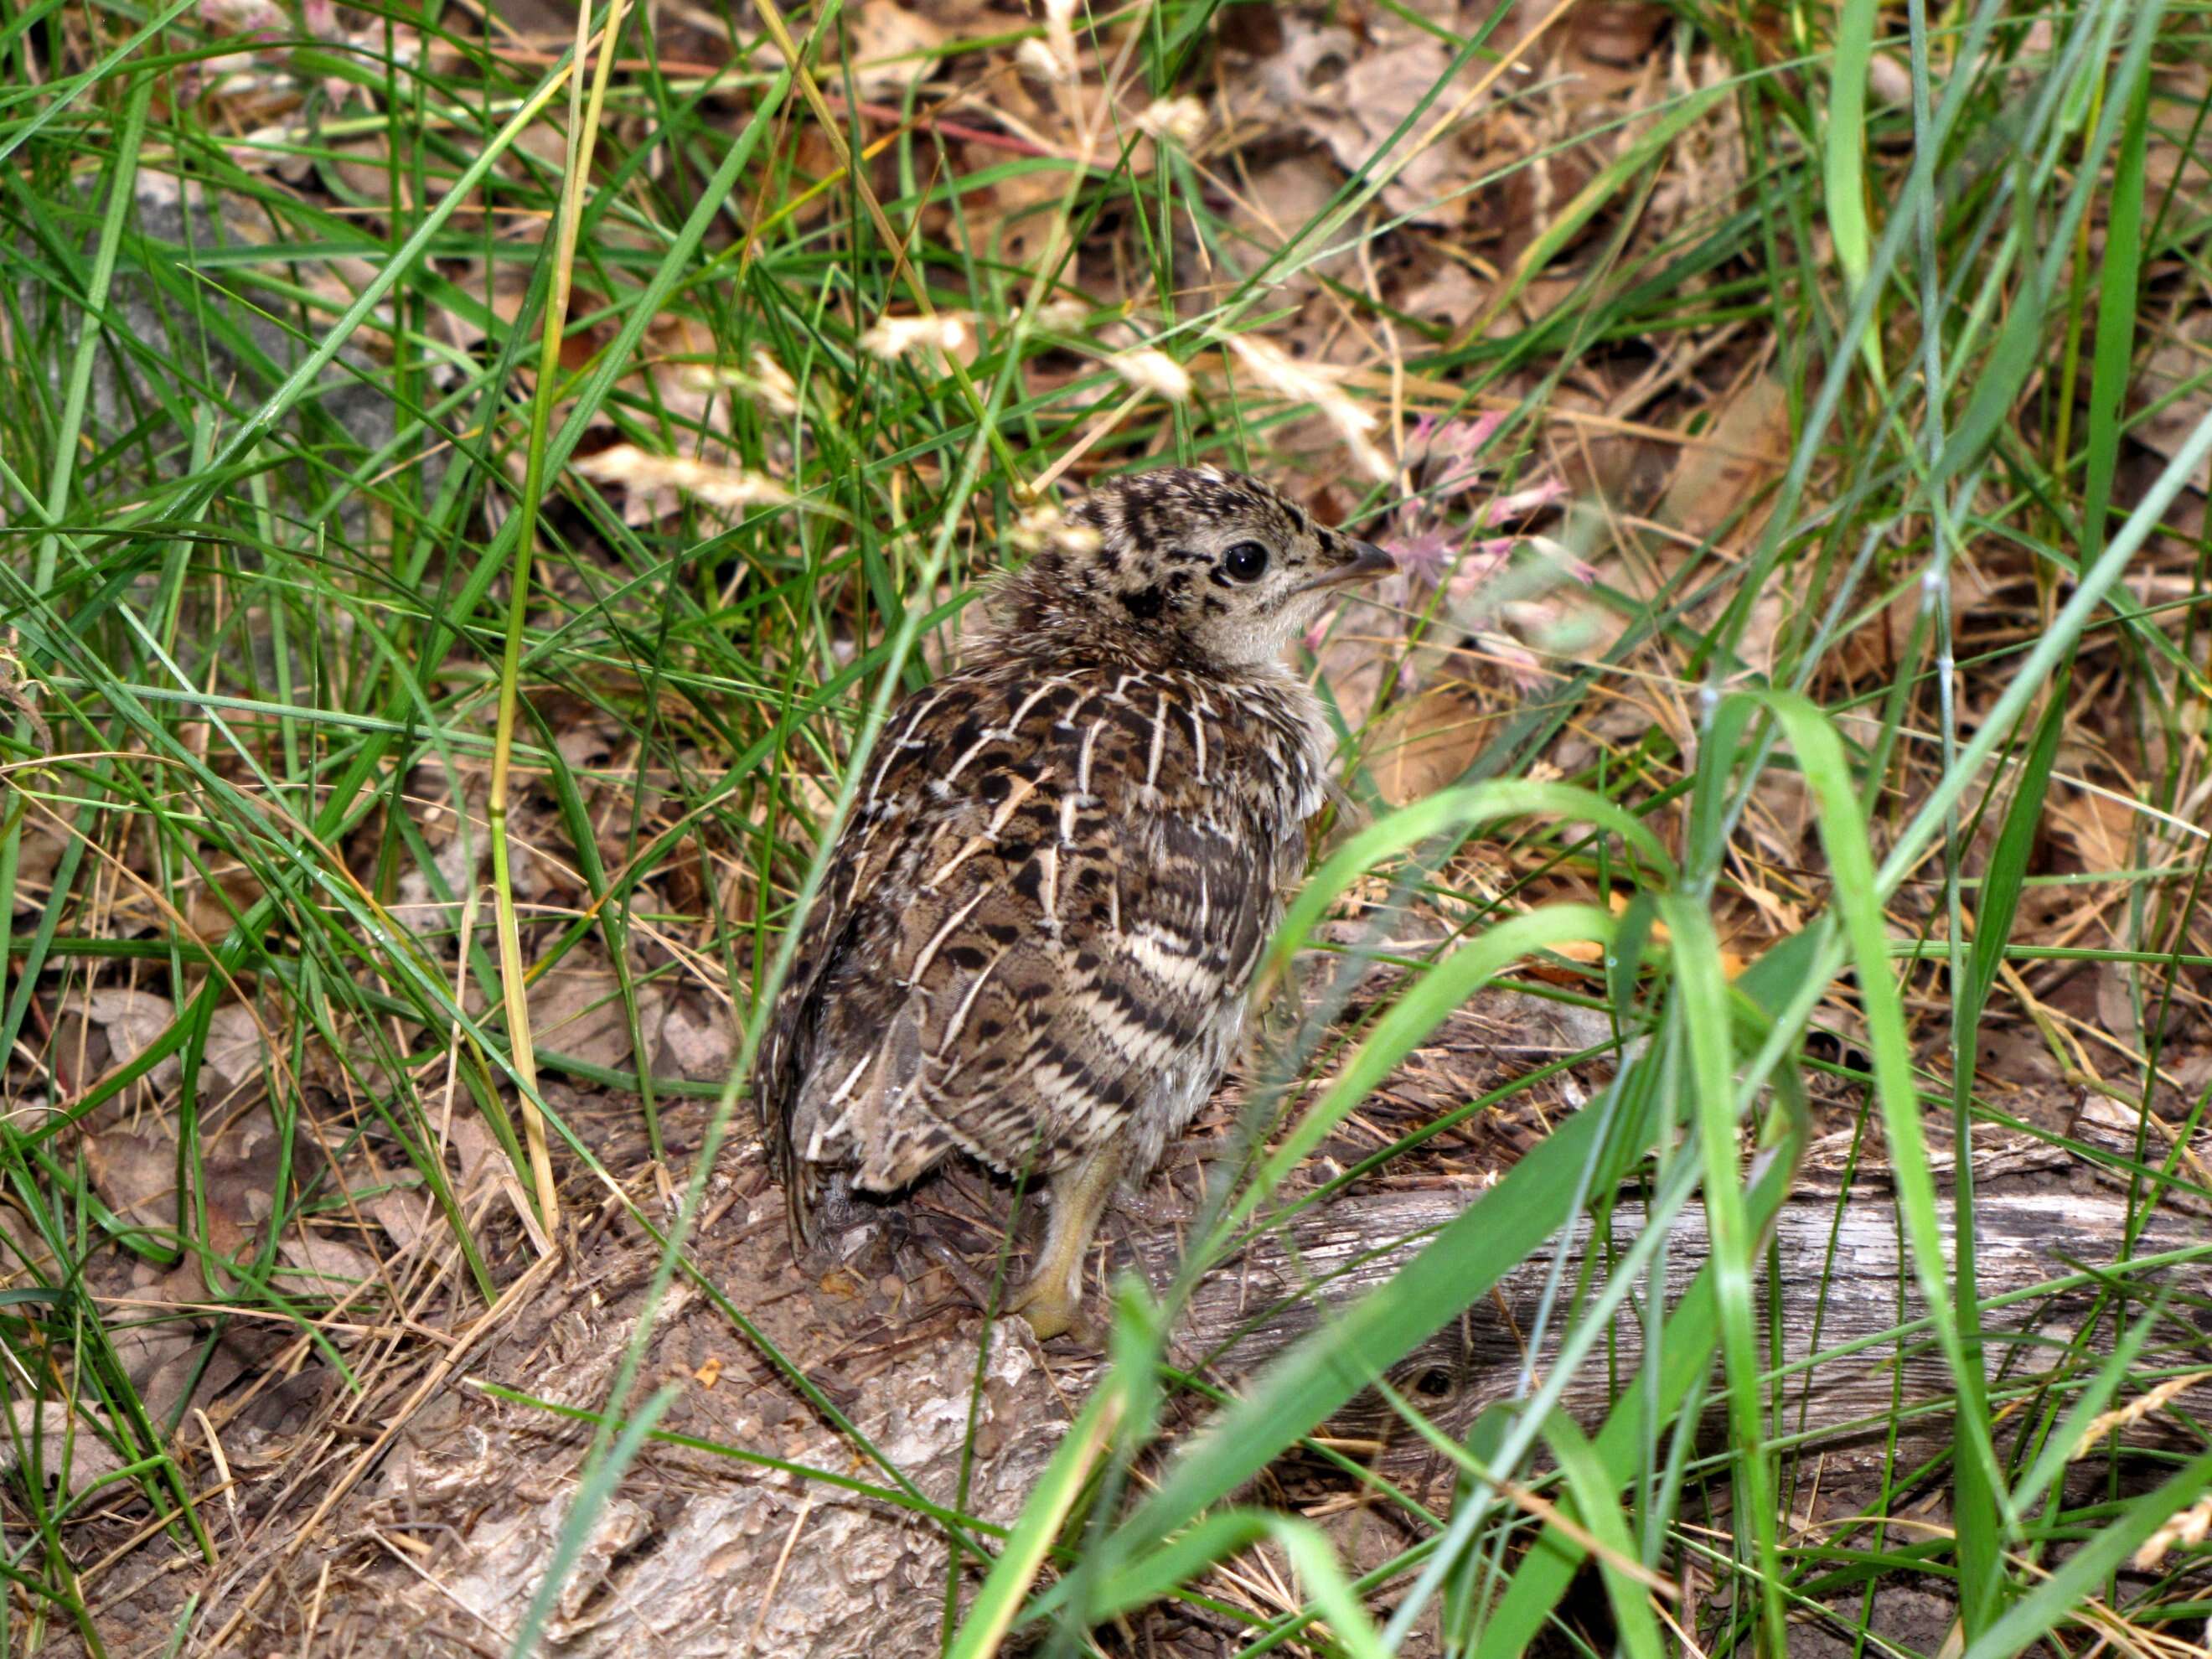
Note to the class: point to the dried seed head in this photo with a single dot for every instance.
(718, 486)
(1038, 59)
(1316, 384)
(2134, 1412)
(1063, 315)
(1044, 525)
(772, 386)
(1150, 369)
(766, 381)
(1181, 119)
(2185, 1530)
(1060, 35)
(893, 338)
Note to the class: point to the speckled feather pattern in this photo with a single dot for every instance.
(1039, 924)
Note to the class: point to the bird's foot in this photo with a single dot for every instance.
(1050, 1311)
(1054, 1307)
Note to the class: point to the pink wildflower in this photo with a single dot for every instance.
(1521, 503)
(1426, 557)
(1477, 566)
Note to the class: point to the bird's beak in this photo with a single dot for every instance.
(1368, 562)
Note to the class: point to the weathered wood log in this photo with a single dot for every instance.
(1837, 1278)
(701, 1556)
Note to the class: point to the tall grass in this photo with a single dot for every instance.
(286, 566)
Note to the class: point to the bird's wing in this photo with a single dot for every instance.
(1041, 920)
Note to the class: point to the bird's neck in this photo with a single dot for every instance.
(1053, 612)
(1077, 628)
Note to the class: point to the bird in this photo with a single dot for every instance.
(1035, 933)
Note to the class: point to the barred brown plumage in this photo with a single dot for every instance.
(1035, 936)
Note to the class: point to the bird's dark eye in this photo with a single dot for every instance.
(1246, 562)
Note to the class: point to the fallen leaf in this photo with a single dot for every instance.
(479, 1154)
(403, 1213)
(234, 1054)
(695, 1045)
(135, 1174)
(1356, 115)
(47, 1428)
(1425, 744)
(1281, 199)
(322, 1266)
(133, 1020)
(1743, 445)
(578, 1011)
(891, 48)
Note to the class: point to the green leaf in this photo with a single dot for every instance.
(1702, 1011)
(1627, 1585)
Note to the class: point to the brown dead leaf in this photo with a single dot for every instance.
(26, 1258)
(1425, 744)
(1444, 294)
(696, 1044)
(1302, 59)
(2101, 829)
(479, 1154)
(1747, 444)
(1278, 201)
(404, 1213)
(1356, 115)
(456, 863)
(891, 47)
(132, 1020)
(1744, 451)
(42, 845)
(1015, 215)
(160, 1353)
(320, 1265)
(2115, 1003)
(135, 1173)
(239, 1192)
(577, 1011)
(235, 1056)
(2176, 378)
(89, 1459)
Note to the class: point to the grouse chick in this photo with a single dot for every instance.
(1034, 939)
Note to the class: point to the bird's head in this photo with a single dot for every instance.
(1190, 566)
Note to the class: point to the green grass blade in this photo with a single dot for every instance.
(1843, 160)
(2052, 1603)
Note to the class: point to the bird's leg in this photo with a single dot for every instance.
(1052, 1300)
